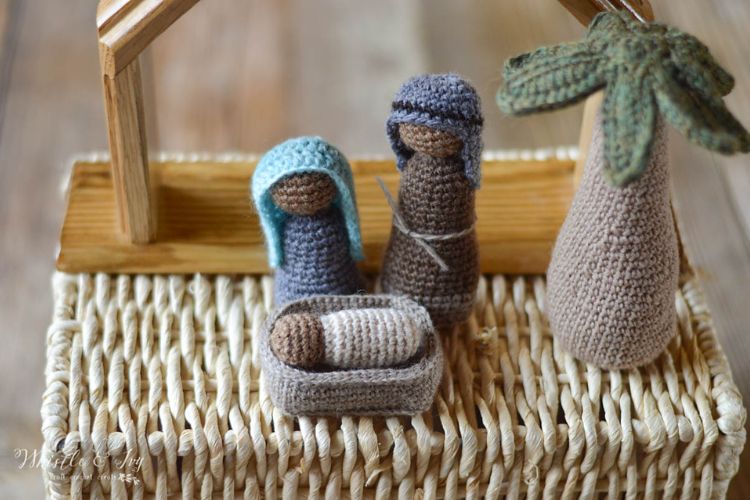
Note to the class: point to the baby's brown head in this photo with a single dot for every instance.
(304, 193)
(297, 340)
(430, 141)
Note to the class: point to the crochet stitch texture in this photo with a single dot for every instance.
(436, 196)
(297, 339)
(370, 337)
(316, 258)
(647, 69)
(299, 155)
(615, 266)
(303, 194)
(350, 339)
(407, 389)
(444, 102)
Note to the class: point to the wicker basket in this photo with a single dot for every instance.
(165, 368)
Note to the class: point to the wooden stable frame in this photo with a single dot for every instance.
(130, 216)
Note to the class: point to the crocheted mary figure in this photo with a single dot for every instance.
(304, 193)
(614, 269)
(435, 131)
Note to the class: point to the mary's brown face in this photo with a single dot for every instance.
(430, 141)
(304, 194)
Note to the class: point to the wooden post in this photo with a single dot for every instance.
(123, 99)
(590, 109)
(126, 28)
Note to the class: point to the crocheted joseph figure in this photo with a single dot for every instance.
(432, 256)
(615, 266)
(304, 193)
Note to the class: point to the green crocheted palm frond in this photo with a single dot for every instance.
(646, 70)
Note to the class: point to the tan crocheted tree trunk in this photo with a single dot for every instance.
(614, 269)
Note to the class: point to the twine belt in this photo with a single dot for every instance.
(421, 239)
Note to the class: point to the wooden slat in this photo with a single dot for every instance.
(240, 101)
(585, 10)
(206, 223)
(126, 27)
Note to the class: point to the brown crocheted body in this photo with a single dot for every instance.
(435, 197)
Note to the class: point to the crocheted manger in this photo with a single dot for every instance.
(406, 389)
(158, 377)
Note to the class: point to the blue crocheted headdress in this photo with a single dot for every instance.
(446, 102)
(303, 154)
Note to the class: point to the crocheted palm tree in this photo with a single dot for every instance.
(615, 266)
(645, 69)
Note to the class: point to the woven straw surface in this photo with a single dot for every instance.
(166, 367)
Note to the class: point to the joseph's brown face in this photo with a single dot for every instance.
(430, 141)
(304, 194)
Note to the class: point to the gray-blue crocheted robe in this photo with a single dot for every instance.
(317, 260)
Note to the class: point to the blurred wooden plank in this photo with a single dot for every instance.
(738, 185)
(17, 430)
(9, 13)
(52, 109)
(713, 193)
(476, 41)
(230, 90)
(346, 61)
(206, 222)
(721, 25)
(716, 244)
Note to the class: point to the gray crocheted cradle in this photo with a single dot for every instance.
(400, 390)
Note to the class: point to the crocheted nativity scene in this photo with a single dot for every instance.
(615, 265)
(304, 193)
(579, 363)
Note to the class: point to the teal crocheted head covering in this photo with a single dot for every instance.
(295, 156)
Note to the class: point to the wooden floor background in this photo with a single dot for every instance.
(244, 75)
